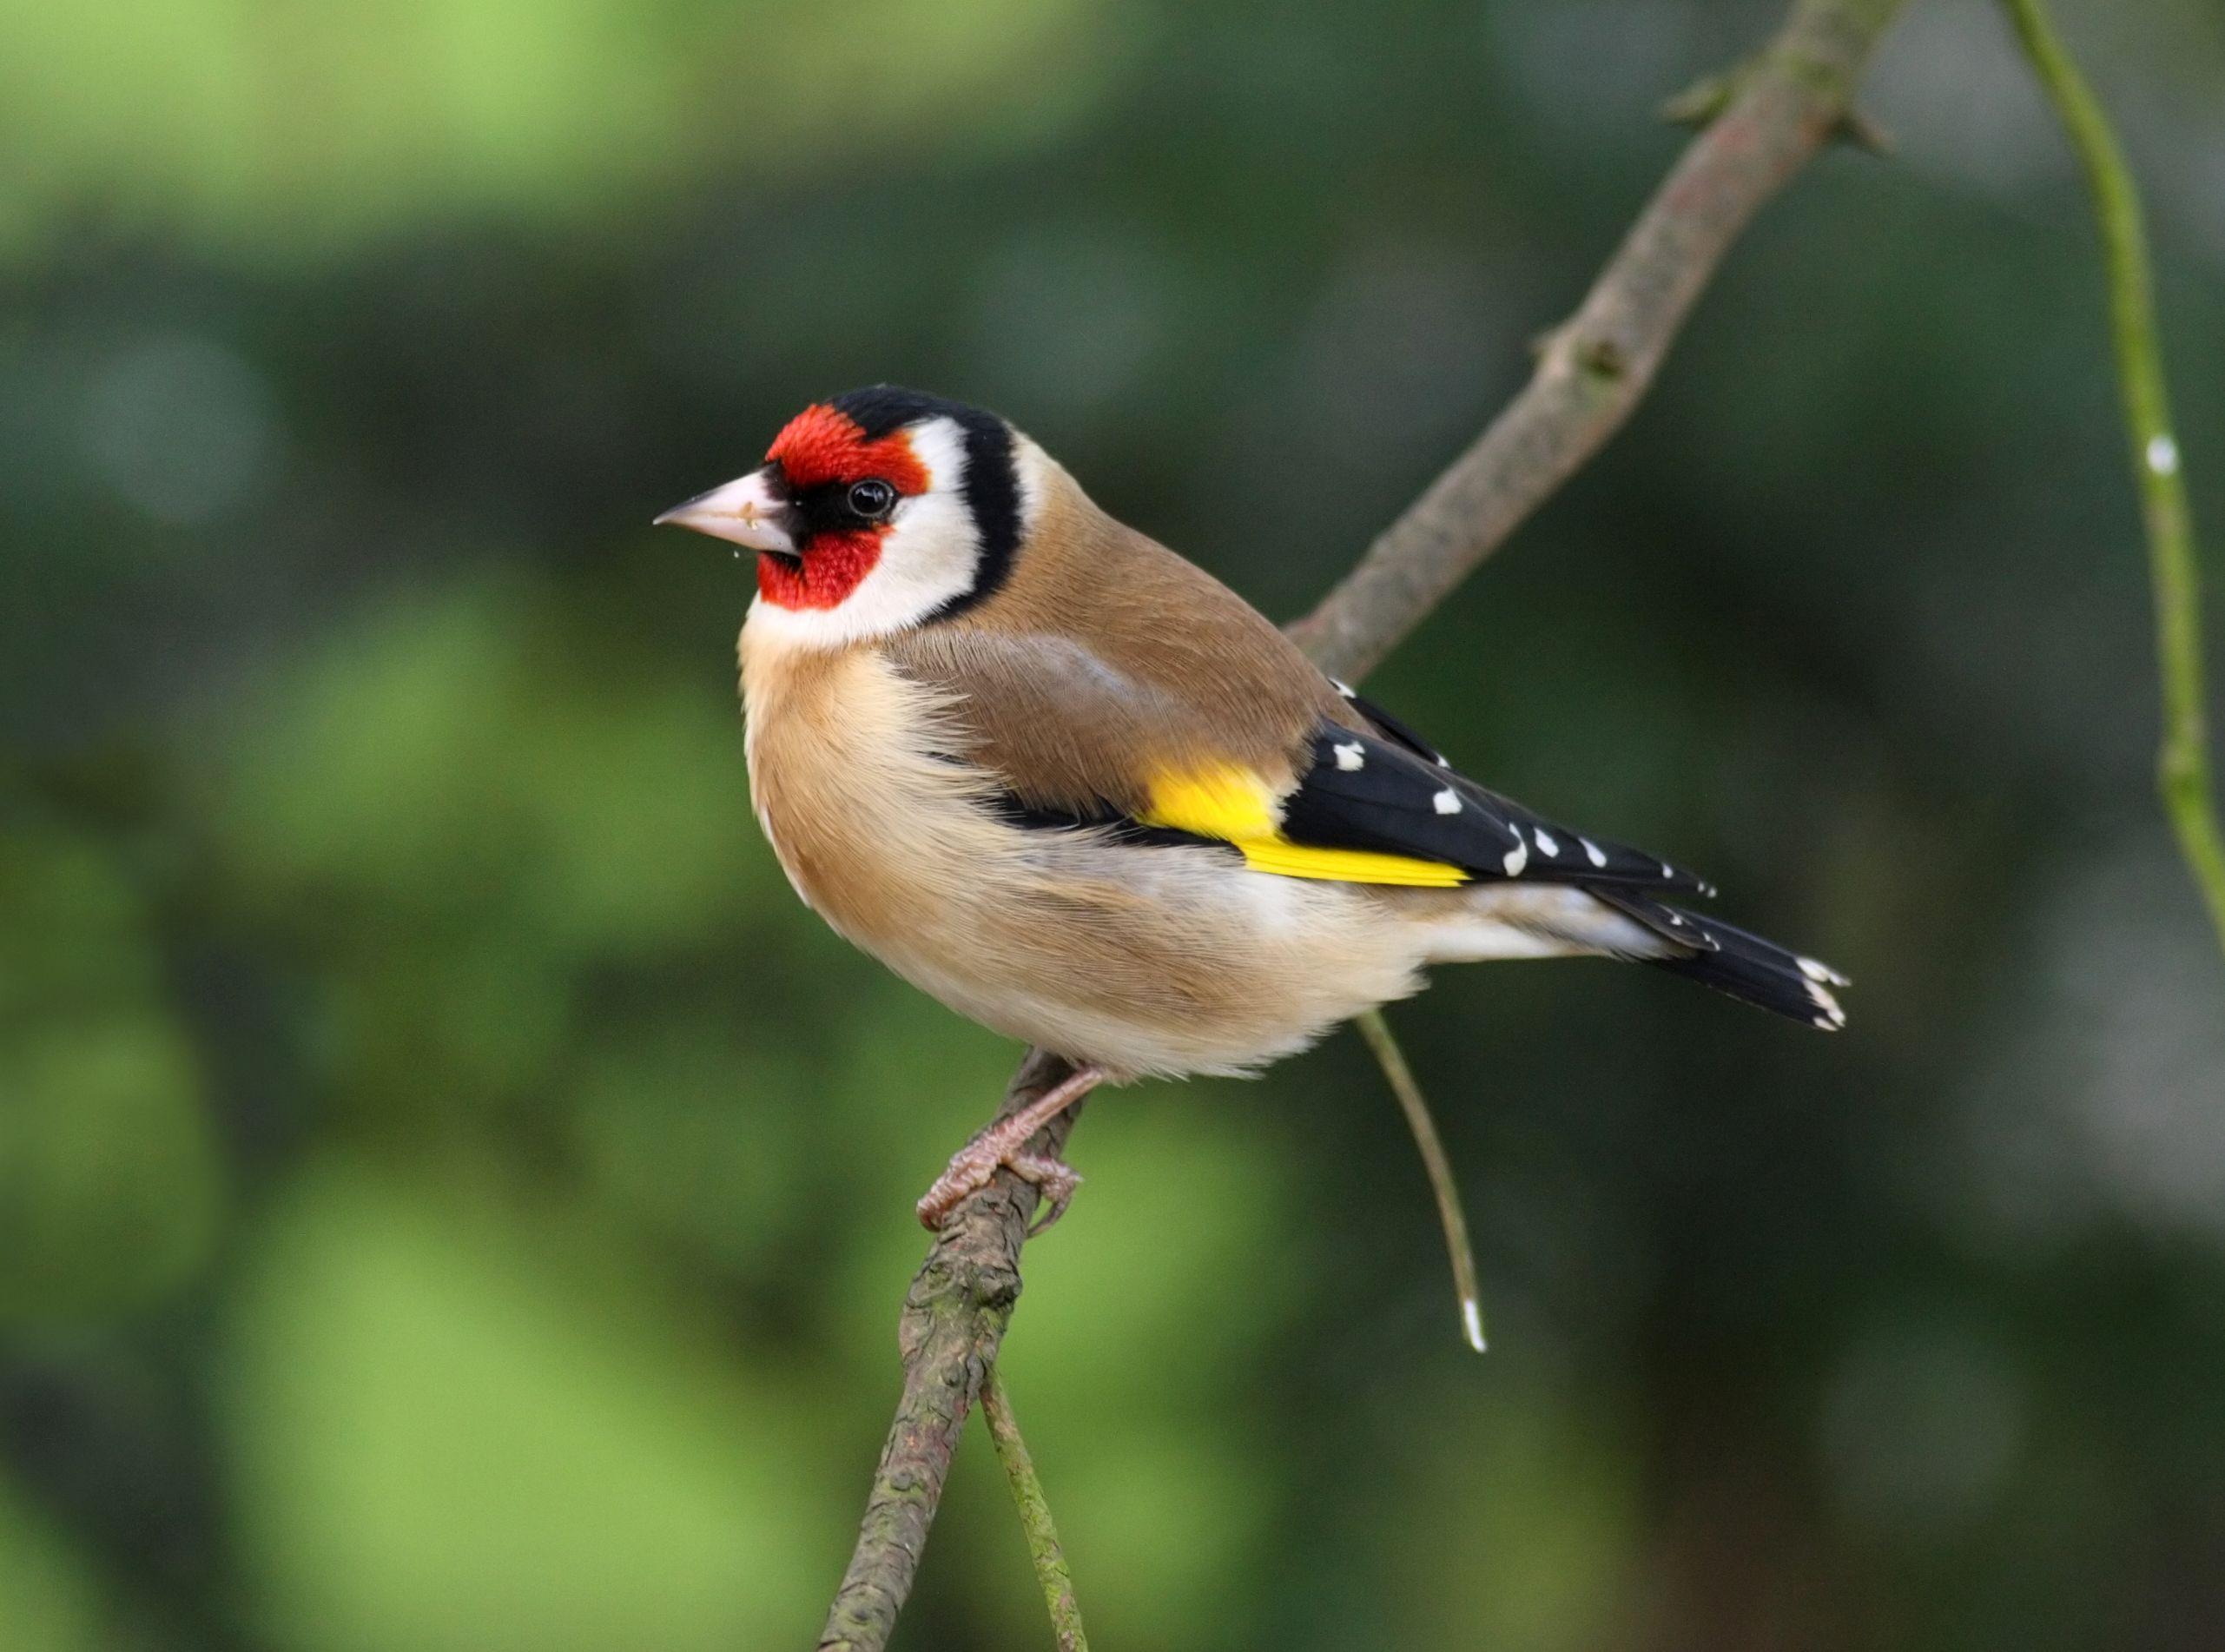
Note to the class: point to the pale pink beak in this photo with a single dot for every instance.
(752, 511)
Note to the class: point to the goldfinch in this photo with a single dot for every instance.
(1081, 791)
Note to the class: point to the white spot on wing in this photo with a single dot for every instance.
(1351, 755)
(1593, 852)
(1821, 972)
(1344, 689)
(1518, 856)
(1443, 761)
(1547, 841)
(1446, 801)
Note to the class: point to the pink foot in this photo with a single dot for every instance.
(1003, 1146)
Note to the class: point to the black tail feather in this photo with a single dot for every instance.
(1748, 968)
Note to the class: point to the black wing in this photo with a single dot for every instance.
(1391, 792)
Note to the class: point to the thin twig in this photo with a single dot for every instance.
(1395, 1071)
(1043, 1544)
(1785, 105)
(2182, 766)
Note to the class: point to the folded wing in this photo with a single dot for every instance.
(1383, 790)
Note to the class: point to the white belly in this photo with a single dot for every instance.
(1165, 961)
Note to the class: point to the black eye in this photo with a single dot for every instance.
(872, 497)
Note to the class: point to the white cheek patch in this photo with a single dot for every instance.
(929, 556)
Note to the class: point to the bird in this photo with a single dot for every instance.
(1074, 787)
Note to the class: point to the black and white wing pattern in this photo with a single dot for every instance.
(1391, 792)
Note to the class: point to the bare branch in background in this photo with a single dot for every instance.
(1763, 122)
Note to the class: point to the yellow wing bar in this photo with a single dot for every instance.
(1238, 806)
(1286, 859)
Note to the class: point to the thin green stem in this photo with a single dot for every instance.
(2183, 775)
(1392, 1059)
(1034, 1513)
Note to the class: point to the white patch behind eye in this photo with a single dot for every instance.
(928, 556)
(1032, 468)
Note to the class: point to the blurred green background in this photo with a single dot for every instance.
(453, 1197)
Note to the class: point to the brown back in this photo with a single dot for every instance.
(1106, 660)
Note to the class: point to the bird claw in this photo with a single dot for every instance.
(1003, 1146)
(961, 1181)
(975, 1165)
(1055, 1181)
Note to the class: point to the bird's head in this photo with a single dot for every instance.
(881, 509)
